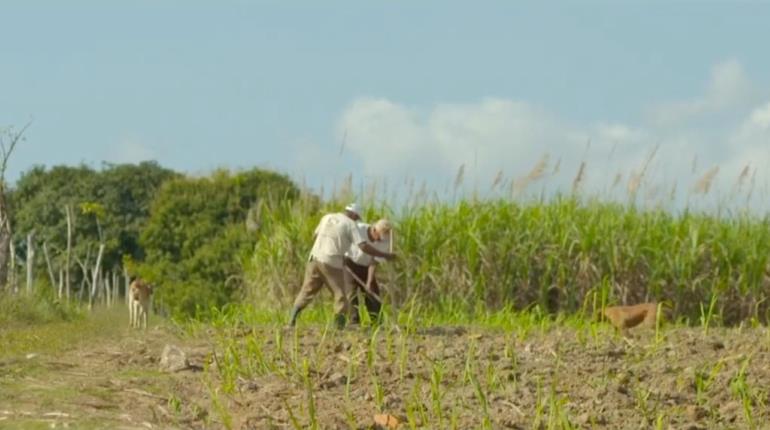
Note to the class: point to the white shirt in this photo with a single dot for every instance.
(360, 257)
(335, 234)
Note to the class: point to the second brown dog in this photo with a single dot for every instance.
(627, 317)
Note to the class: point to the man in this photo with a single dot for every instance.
(335, 234)
(360, 268)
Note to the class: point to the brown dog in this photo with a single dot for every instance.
(139, 303)
(626, 317)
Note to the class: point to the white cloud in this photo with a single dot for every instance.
(386, 139)
(727, 88)
(495, 135)
(130, 150)
(750, 144)
(758, 123)
(487, 136)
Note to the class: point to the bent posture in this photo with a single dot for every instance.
(626, 317)
(139, 303)
(335, 234)
(361, 266)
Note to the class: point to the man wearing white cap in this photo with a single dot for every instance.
(335, 235)
(353, 211)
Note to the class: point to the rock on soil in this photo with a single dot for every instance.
(173, 359)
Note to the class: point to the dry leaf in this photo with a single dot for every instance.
(386, 421)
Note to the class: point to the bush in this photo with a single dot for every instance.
(197, 239)
(20, 309)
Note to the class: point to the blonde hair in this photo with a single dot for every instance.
(383, 226)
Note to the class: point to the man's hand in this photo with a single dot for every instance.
(369, 249)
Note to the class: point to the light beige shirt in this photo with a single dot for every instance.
(335, 234)
(360, 257)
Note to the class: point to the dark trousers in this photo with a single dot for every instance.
(373, 306)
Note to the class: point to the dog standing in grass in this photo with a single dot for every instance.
(140, 293)
(627, 317)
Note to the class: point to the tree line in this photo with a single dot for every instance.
(78, 232)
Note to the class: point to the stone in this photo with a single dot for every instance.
(173, 359)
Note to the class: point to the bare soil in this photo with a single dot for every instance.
(440, 377)
(103, 383)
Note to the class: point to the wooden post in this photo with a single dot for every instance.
(84, 285)
(67, 261)
(95, 277)
(61, 283)
(30, 261)
(9, 138)
(50, 267)
(12, 270)
(115, 286)
(107, 290)
(6, 243)
(127, 282)
(85, 282)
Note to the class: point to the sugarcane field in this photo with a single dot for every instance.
(384, 215)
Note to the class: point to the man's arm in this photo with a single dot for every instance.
(371, 250)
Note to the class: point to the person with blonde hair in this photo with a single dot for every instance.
(360, 269)
(335, 234)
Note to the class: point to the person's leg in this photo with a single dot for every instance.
(373, 306)
(355, 288)
(335, 279)
(311, 285)
(355, 318)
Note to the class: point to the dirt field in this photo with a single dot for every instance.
(451, 377)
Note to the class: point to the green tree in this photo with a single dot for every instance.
(196, 240)
(110, 206)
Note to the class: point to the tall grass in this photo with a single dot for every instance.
(560, 254)
(23, 310)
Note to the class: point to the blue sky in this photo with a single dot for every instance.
(388, 91)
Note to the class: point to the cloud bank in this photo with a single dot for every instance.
(663, 157)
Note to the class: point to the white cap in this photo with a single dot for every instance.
(354, 207)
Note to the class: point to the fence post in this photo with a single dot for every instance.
(30, 261)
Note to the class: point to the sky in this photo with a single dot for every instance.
(670, 99)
